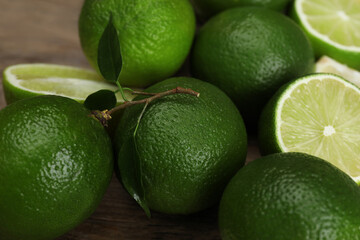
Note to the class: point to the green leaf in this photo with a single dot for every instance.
(130, 171)
(109, 55)
(101, 100)
(129, 163)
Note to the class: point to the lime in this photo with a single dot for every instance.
(249, 53)
(189, 147)
(317, 114)
(333, 27)
(208, 8)
(55, 165)
(155, 36)
(28, 80)
(290, 196)
(329, 65)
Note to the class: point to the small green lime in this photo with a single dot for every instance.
(155, 36)
(55, 165)
(292, 196)
(249, 53)
(189, 147)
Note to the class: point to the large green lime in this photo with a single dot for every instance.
(155, 36)
(249, 53)
(55, 165)
(189, 147)
(208, 8)
(291, 196)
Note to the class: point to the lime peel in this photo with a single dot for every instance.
(26, 80)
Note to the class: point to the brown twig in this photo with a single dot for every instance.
(153, 97)
(104, 116)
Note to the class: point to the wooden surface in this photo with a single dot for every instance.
(33, 31)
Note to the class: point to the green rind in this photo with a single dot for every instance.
(189, 147)
(56, 163)
(13, 94)
(267, 139)
(321, 47)
(290, 196)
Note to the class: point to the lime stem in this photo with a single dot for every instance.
(153, 97)
(121, 89)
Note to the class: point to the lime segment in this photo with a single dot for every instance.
(329, 65)
(318, 115)
(27, 80)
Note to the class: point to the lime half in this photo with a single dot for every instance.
(27, 80)
(333, 26)
(317, 114)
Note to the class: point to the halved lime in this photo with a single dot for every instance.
(329, 65)
(333, 26)
(317, 114)
(27, 80)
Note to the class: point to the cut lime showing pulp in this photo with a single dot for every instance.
(333, 26)
(27, 80)
(329, 65)
(317, 114)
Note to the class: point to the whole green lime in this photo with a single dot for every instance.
(249, 53)
(189, 147)
(55, 165)
(208, 8)
(290, 196)
(155, 36)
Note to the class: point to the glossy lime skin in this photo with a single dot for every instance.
(249, 53)
(155, 36)
(55, 165)
(291, 196)
(189, 147)
(208, 8)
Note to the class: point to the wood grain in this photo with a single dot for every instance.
(45, 31)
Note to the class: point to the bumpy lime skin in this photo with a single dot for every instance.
(55, 165)
(189, 147)
(291, 196)
(155, 36)
(249, 53)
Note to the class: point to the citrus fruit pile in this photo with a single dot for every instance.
(180, 143)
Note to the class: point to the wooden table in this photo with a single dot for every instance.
(33, 31)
